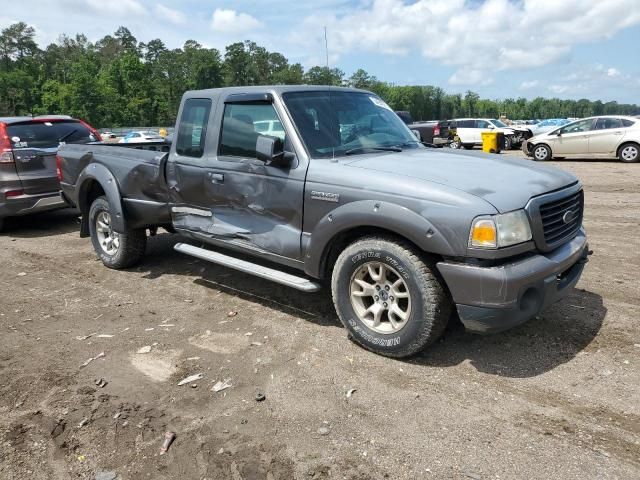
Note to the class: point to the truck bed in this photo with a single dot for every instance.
(139, 172)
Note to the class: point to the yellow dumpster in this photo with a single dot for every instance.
(490, 142)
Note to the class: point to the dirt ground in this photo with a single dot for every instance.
(556, 398)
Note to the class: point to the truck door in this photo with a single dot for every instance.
(254, 202)
(221, 191)
(188, 169)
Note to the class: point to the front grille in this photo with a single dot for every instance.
(562, 218)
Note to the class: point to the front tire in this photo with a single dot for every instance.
(389, 299)
(541, 153)
(116, 250)
(629, 153)
(507, 144)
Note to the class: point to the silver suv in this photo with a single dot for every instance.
(28, 173)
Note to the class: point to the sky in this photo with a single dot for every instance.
(497, 48)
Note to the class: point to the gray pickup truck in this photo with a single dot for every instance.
(309, 185)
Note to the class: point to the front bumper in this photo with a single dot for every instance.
(27, 204)
(492, 299)
(525, 147)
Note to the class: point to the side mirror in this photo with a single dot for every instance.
(417, 134)
(559, 133)
(491, 127)
(270, 150)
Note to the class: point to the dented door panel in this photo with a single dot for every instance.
(260, 204)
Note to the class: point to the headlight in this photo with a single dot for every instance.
(500, 230)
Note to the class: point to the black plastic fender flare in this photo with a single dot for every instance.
(371, 213)
(100, 174)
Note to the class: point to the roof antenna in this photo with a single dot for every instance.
(326, 47)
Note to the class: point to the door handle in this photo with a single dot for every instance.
(617, 133)
(216, 177)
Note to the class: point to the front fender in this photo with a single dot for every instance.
(371, 213)
(100, 174)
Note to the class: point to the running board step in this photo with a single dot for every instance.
(277, 276)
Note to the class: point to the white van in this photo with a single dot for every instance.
(469, 132)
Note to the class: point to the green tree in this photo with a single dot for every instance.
(324, 76)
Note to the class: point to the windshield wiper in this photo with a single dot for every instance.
(67, 135)
(351, 151)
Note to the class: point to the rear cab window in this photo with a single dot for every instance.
(192, 130)
(48, 134)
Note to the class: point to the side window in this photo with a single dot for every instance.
(243, 123)
(627, 123)
(482, 124)
(581, 126)
(607, 123)
(192, 129)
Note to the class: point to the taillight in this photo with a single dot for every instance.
(6, 151)
(436, 131)
(92, 130)
(59, 167)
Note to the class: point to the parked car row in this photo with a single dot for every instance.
(466, 132)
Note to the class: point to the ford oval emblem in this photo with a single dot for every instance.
(569, 216)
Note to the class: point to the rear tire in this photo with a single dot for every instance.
(629, 153)
(116, 250)
(541, 153)
(396, 313)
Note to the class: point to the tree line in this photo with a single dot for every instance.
(119, 81)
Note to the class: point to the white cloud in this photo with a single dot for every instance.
(230, 21)
(559, 89)
(470, 77)
(169, 14)
(494, 35)
(527, 84)
(111, 8)
(613, 72)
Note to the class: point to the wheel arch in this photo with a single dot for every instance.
(359, 219)
(95, 181)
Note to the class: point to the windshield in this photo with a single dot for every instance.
(499, 124)
(344, 123)
(40, 134)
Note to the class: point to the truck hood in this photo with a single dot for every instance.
(506, 183)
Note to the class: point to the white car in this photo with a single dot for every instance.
(609, 136)
(547, 125)
(272, 128)
(469, 132)
(141, 137)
